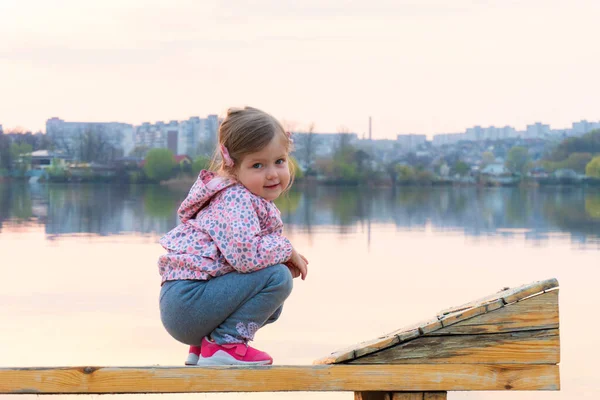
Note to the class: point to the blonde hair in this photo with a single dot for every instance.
(245, 131)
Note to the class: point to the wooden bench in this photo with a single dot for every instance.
(506, 341)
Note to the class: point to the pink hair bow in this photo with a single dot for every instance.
(227, 160)
(289, 135)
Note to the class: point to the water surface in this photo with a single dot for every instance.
(80, 282)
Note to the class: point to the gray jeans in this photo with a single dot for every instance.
(229, 308)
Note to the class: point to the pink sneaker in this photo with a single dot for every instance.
(231, 354)
(193, 355)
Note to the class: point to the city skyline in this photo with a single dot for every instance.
(424, 68)
(302, 128)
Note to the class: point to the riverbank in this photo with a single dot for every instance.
(186, 182)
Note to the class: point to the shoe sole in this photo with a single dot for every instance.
(192, 359)
(222, 358)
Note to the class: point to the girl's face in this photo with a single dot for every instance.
(266, 173)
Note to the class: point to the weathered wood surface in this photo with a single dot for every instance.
(451, 317)
(534, 313)
(527, 347)
(372, 396)
(435, 395)
(509, 295)
(400, 396)
(357, 378)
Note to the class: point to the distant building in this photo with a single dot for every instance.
(181, 137)
(159, 135)
(198, 135)
(410, 142)
(537, 131)
(475, 133)
(446, 139)
(566, 173)
(582, 127)
(495, 170)
(42, 159)
(538, 172)
(324, 144)
(67, 136)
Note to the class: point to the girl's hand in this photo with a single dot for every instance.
(304, 258)
(299, 262)
(294, 271)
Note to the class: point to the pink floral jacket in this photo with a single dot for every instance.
(224, 228)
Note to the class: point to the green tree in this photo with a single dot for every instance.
(56, 172)
(200, 163)
(575, 161)
(517, 159)
(5, 153)
(461, 168)
(21, 155)
(344, 170)
(299, 174)
(306, 146)
(487, 158)
(424, 177)
(592, 169)
(592, 205)
(405, 173)
(588, 143)
(94, 146)
(578, 161)
(159, 164)
(139, 151)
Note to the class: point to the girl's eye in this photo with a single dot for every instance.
(257, 165)
(280, 161)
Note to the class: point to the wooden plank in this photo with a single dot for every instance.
(534, 313)
(369, 347)
(462, 315)
(400, 395)
(372, 396)
(407, 396)
(356, 378)
(444, 319)
(373, 346)
(508, 295)
(527, 293)
(396, 337)
(527, 347)
(435, 396)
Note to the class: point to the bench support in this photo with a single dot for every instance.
(400, 395)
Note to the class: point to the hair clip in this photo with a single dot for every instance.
(227, 160)
(289, 135)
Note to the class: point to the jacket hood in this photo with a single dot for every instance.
(206, 186)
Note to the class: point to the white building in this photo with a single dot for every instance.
(475, 133)
(495, 133)
(582, 127)
(67, 136)
(445, 139)
(537, 131)
(181, 137)
(159, 135)
(495, 169)
(195, 132)
(478, 133)
(323, 144)
(410, 142)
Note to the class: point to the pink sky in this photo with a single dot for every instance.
(429, 66)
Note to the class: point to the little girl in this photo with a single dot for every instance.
(228, 268)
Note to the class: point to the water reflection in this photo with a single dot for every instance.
(535, 213)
